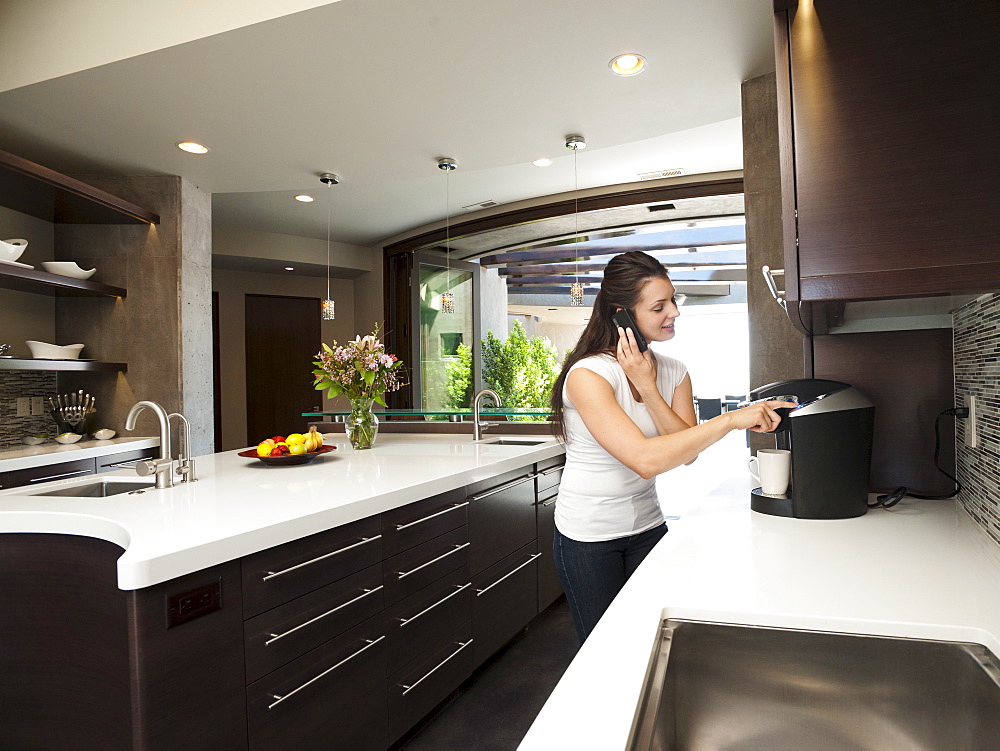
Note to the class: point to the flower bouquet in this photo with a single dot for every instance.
(362, 371)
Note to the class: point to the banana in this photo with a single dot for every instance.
(314, 440)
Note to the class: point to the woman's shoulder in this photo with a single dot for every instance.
(600, 363)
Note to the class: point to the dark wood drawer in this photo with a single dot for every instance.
(410, 525)
(506, 599)
(288, 631)
(415, 624)
(417, 567)
(61, 471)
(275, 576)
(501, 518)
(332, 697)
(549, 586)
(548, 474)
(125, 459)
(417, 690)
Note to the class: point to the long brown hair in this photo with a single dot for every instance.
(624, 278)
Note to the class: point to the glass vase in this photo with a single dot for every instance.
(362, 424)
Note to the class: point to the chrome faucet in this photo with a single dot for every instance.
(164, 466)
(185, 463)
(477, 424)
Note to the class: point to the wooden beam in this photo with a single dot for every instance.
(570, 268)
(561, 254)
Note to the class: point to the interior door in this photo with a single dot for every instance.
(282, 338)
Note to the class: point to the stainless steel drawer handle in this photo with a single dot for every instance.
(776, 293)
(364, 541)
(404, 574)
(461, 646)
(411, 619)
(126, 465)
(278, 699)
(551, 470)
(505, 486)
(480, 592)
(275, 637)
(64, 474)
(550, 501)
(421, 521)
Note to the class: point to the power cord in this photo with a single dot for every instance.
(891, 499)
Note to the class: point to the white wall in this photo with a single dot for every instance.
(715, 349)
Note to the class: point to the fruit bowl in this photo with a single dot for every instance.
(68, 437)
(287, 459)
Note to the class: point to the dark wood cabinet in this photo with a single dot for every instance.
(61, 471)
(505, 601)
(547, 481)
(887, 128)
(501, 517)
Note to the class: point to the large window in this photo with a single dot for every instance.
(441, 334)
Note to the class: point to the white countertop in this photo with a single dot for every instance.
(239, 506)
(923, 569)
(14, 458)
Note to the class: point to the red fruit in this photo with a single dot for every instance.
(277, 438)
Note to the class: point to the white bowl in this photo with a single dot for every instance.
(104, 434)
(68, 438)
(11, 250)
(67, 268)
(33, 440)
(43, 351)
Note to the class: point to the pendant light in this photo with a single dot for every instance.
(447, 297)
(576, 289)
(328, 310)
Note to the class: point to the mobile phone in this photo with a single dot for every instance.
(624, 319)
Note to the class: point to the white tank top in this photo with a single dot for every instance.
(599, 497)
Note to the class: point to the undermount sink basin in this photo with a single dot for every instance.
(515, 441)
(101, 489)
(718, 686)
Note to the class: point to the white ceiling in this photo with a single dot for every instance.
(377, 90)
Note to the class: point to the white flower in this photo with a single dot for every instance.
(367, 343)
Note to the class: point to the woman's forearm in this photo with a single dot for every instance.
(665, 452)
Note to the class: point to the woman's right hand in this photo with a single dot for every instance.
(759, 417)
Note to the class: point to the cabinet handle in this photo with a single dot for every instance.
(129, 464)
(275, 637)
(549, 502)
(777, 294)
(411, 619)
(480, 592)
(64, 474)
(404, 574)
(505, 486)
(420, 521)
(364, 541)
(550, 470)
(279, 699)
(461, 646)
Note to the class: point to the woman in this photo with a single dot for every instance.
(625, 416)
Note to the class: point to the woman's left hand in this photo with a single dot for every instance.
(639, 367)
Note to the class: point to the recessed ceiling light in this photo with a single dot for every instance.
(628, 64)
(304, 198)
(542, 162)
(192, 147)
(289, 268)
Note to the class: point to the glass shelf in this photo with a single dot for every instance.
(456, 415)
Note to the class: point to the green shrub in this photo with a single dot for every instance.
(521, 369)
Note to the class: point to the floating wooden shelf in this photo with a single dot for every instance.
(32, 280)
(17, 363)
(46, 194)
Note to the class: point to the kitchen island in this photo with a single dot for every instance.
(922, 570)
(331, 604)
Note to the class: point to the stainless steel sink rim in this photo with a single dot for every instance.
(99, 489)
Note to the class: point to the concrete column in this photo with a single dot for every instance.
(775, 346)
(163, 328)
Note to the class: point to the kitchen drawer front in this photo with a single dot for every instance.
(332, 697)
(501, 520)
(37, 475)
(414, 569)
(414, 692)
(549, 586)
(506, 599)
(286, 632)
(548, 474)
(415, 625)
(275, 576)
(113, 462)
(408, 526)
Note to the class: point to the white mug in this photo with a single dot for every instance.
(771, 468)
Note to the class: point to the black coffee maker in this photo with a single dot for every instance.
(829, 435)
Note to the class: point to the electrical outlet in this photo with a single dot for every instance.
(971, 437)
(23, 406)
(37, 405)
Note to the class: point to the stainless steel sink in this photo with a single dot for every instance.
(721, 687)
(101, 489)
(515, 441)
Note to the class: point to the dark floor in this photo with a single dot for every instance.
(496, 706)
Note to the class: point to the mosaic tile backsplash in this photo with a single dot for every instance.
(18, 383)
(977, 372)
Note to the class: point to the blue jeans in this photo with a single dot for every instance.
(592, 573)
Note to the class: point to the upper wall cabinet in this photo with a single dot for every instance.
(888, 120)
